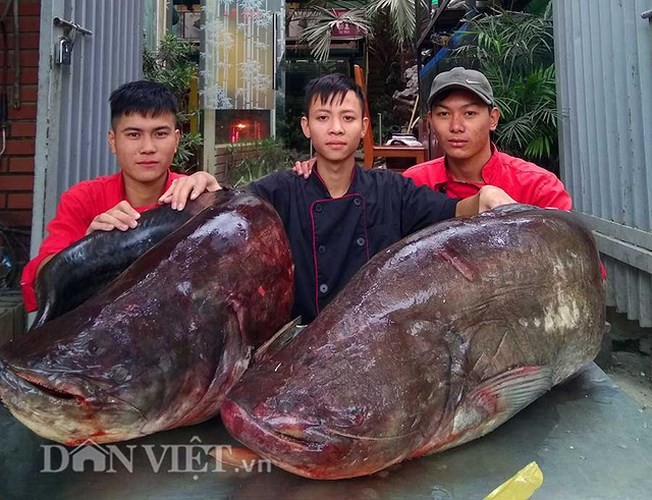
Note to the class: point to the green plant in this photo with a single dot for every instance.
(173, 64)
(399, 15)
(515, 52)
(266, 156)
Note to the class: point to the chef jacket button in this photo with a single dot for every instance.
(360, 242)
(318, 207)
(357, 202)
(321, 249)
(323, 288)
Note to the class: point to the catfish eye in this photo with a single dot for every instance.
(96, 347)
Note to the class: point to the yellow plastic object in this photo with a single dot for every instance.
(521, 486)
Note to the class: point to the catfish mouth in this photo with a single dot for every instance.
(307, 450)
(68, 412)
(17, 381)
(288, 437)
(43, 385)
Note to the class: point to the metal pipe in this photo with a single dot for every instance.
(16, 94)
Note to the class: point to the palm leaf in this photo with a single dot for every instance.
(402, 15)
(515, 52)
(318, 34)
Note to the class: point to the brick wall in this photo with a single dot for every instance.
(17, 161)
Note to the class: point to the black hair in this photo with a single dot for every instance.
(327, 87)
(143, 97)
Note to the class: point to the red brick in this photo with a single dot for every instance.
(16, 182)
(28, 76)
(3, 200)
(19, 201)
(29, 8)
(25, 41)
(16, 218)
(26, 111)
(4, 164)
(28, 93)
(20, 147)
(22, 129)
(29, 24)
(21, 164)
(28, 58)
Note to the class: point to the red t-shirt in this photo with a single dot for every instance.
(77, 208)
(525, 182)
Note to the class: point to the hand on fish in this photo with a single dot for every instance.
(491, 197)
(188, 188)
(123, 216)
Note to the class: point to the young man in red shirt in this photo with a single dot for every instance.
(144, 137)
(462, 116)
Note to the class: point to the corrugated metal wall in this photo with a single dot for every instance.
(73, 112)
(603, 51)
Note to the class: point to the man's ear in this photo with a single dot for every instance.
(429, 119)
(494, 116)
(305, 127)
(365, 126)
(112, 140)
(177, 135)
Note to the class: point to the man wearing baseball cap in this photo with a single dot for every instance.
(462, 115)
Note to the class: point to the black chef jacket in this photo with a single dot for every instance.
(332, 238)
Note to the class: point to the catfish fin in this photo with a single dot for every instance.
(498, 399)
(278, 340)
(492, 403)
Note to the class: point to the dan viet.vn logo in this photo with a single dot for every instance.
(193, 458)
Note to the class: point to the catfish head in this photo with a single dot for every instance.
(107, 385)
(328, 406)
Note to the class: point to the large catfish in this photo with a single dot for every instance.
(161, 346)
(435, 342)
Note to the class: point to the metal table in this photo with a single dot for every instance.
(589, 439)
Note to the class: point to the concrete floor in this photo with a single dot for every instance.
(626, 357)
(631, 372)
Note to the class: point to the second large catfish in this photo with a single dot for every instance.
(437, 341)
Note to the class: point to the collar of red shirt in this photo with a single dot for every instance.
(489, 171)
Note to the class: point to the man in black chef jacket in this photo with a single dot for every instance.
(343, 214)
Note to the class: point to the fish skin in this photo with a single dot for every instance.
(436, 341)
(78, 272)
(161, 346)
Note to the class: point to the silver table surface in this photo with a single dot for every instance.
(588, 437)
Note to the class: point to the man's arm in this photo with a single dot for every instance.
(552, 193)
(487, 198)
(421, 206)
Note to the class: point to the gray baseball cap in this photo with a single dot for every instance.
(462, 78)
